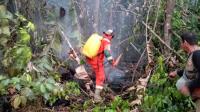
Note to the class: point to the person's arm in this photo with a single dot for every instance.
(196, 82)
(173, 74)
(107, 51)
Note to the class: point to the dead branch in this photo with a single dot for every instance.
(148, 41)
(85, 92)
(162, 41)
(141, 87)
(127, 11)
(122, 42)
(45, 109)
(135, 47)
(60, 30)
(176, 34)
(126, 39)
(138, 64)
(157, 13)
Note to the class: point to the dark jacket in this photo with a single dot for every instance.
(195, 80)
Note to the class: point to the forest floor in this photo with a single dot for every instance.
(120, 90)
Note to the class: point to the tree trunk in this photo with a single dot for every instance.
(111, 17)
(167, 25)
(96, 18)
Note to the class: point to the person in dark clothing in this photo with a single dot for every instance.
(190, 75)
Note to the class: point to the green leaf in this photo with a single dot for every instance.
(21, 56)
(49, 86)
(42, 88)
(16, 102)
(51, 80)
(162, 81)
(110, 110)
(15, 80)
(55, 91)
(5, 82)
(2, 77)
(27, 92)
(24, 36)
(57, 43)
(28, 77)
(2, 9)
(96, 109)
(31, 26)
(4, 13)
(5, 31)
(21, 18)
(82, 62)
(48, 67)
(4, 22)
(125, 110)
(23, 100)
(44, 64)
(19, 50)
(117, 102)
(3, 41)
(47, 96)
(18, 87)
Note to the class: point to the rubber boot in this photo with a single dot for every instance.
(97, 97)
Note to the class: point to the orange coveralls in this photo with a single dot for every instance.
(97, 62)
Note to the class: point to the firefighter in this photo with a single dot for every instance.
(97, 63)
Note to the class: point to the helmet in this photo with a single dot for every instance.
(108, 32)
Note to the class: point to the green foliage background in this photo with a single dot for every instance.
(30, 76)
(162, 95)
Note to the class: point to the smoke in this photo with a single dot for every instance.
(84, 17)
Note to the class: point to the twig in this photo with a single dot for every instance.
(157, 13)
(142, 86)
(149, 52)
(121, 42)
(45, 109)
(124, 9)
(176, 34)
(135, 47)
(157, 36)
(146, 46)
(60, 29)
(147, 79)
(138, 64)
(85, 92)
